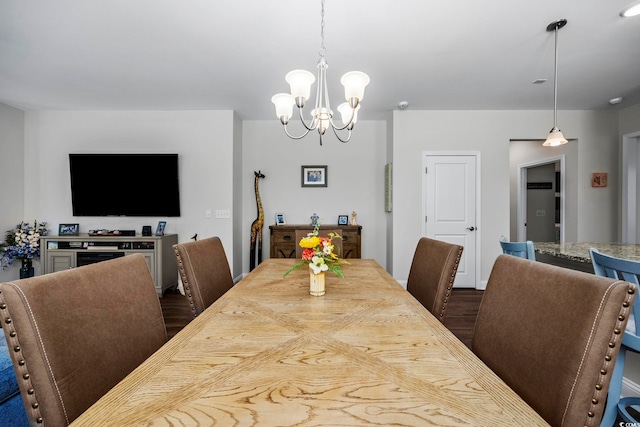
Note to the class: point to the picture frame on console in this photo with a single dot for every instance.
(160, 228)
(343, 219)
(69, 229)
(280, 219)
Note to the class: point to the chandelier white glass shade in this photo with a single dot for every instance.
(555, 137)
(321, 119)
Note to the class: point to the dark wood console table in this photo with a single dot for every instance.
(283, 239)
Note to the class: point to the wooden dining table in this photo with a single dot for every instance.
(267, 353)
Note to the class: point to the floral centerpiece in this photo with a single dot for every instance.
(320, 256)
(22, 243)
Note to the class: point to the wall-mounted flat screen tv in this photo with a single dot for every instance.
(124, 185)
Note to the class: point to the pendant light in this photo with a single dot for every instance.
(555, 137)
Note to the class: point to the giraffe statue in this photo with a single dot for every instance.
(256, 226)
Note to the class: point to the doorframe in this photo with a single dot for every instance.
(522, 192)
(479, 285)
(630, 149)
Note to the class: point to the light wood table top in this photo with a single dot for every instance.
(269, 354)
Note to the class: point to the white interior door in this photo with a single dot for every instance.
(450, 206)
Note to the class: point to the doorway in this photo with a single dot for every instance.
(541, 200)
(451, 191)
(630, 187)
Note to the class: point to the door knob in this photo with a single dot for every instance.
(472, 228)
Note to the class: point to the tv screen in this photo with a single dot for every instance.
(124, 185)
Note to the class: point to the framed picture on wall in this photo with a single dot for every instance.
(599, 179)
(314, 176)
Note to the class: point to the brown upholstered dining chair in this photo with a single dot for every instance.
(337, 243)
(553, 335)
(204, 271)
(75, 334)
(433, 271)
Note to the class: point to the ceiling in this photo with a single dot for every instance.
(234, 54)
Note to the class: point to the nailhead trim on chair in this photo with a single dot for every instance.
(185, 282)
(598, 394)
(23, 371)
(450, 285)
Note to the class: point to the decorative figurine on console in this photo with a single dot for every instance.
(314, 219)
(353, 218)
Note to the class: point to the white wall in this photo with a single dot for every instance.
(12, 170)
(629, 122)
(203, 140)
(237, 212)
(207, 141)
(355, 177)
(489, 132)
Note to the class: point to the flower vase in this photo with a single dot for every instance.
(316, 283)
(27, 269)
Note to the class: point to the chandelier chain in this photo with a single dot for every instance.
(322, 48)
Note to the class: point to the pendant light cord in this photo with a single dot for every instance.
(555, 83)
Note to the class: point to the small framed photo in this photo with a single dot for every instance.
(69, 229)
(280, 219)
(160, 228)
(599, 179)
(314, 176)
(343, 219)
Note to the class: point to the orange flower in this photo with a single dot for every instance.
(308, 254)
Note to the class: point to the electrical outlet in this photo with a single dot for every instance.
(207, 213)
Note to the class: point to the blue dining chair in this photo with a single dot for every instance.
(519, 249)
(627, 270)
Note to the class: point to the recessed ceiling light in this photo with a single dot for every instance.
(614, 101)
(538, 81)
(403, 105)
(631, 10)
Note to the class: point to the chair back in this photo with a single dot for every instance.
(433, 271)
(75, 334)
(204, 271)
(618, 268)
(519, 249)
(337, 243)
(553, 335)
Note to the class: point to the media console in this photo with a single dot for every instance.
(59, 253)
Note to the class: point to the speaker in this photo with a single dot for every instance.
(146, 230)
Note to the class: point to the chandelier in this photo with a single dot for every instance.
(555, 137)
(300, 82)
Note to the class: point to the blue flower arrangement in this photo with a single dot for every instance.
(22, 243)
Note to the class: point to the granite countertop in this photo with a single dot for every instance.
(580, 251)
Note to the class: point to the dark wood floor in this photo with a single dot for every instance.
(461, 312)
